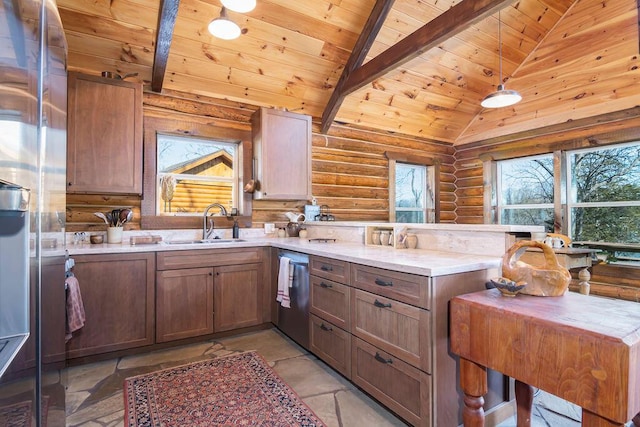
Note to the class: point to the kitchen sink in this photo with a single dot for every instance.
(202, 241)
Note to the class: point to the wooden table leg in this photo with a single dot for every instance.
(524, 402)
(473, 380)
(589, 419)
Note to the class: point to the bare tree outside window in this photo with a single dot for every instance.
(411, 185)
(603, 193)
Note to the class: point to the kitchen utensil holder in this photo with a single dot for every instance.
(114, 235)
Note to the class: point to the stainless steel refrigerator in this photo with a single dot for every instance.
(33, 159)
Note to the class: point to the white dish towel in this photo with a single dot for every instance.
(285, 281)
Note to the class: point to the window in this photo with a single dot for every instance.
(411, 192)
(193, 173)
(601, 189)
(525, 191)
(604, 194)
(414, 182)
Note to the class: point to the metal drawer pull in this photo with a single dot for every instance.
(326, 268)
(381, 282)
(381, 305)
(382, 359)
(325, 328)
(324, 285)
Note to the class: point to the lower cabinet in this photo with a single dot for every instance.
(184, 303)
(199, 292)
(236, 297)
(331, 344)
(403, 388)
(118, 293)
(52, 320)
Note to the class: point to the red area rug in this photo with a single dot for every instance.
(236, 390)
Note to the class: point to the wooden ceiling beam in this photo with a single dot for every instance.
(166, 21)
(443, 27)
(368, 35)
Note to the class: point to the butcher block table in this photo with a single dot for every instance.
(581, 348)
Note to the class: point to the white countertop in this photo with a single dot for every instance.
(416, 261)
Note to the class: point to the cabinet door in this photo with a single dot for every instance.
(282, 146)
(118, 296)
(184, 303)
(104, 136)
(331, 344)
(395, 327)
(330, 301)
(237, 297)
(398, 385)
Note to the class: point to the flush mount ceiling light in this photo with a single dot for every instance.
(223, 27)
(242, 6)
(501, 97)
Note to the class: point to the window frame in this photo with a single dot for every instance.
(433, 167)
(188, 126)
(563, 203)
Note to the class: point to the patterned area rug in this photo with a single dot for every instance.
(236, 390)
(16, 415)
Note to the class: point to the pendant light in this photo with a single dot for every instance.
(501, 97)
(242, 6)
(223, 27)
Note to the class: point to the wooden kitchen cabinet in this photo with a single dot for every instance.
(118, 293)
(282, 152)
(237, 297)
(104, 135)
(203, 291)
(184, 303)
(400, 386)
(329, 324)
(53, 318)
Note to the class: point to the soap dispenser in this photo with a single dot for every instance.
(236, 229)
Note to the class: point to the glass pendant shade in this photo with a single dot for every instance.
(242, 6)
(501, 98)
(223, 27)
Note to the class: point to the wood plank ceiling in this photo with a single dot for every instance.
(570, 59)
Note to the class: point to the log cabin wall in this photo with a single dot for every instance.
(350, 172)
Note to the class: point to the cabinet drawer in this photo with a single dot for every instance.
(331, 344)
(405, 287)
(395, 327)
(331, 269)
(330, 300)
(398, 385)
(173, 260)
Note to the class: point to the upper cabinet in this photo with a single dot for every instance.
(282, 147)
(104, 147)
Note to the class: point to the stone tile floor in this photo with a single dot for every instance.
(94, 394)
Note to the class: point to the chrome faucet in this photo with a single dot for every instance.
(207, 229)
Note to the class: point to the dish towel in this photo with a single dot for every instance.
(75, 308)
(285, 281)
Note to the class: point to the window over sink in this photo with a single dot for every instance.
(195, 172)
(192, 131)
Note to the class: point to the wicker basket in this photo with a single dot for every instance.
(550, 280)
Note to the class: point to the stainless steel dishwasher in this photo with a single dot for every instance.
(294, 321)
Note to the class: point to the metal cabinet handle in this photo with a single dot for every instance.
(381, 305)
(325, 328)
(381, 282)
(325, 285)
(382, 359)
(326, 268)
